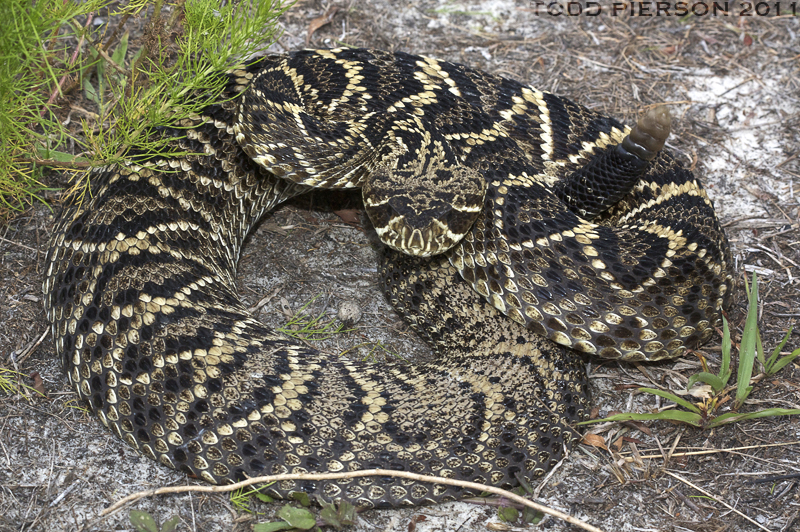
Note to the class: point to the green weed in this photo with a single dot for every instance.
(173, 74)
(34, 59)
(241, 498)
(304, 326)
(374, 349)
(144, 522)
(705, 414)
(11, 384)
(335, 515)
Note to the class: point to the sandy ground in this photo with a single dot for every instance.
(732, 83)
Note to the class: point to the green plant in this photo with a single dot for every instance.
(144, 522)
(11, 383)
(77, 404)
(338, 515)
(304, 326)
(34, 59)
(241, 498)
(108, 79)
(291, 517)
(374, 349)
(704, 414)
(174, 74)
(463, 12)
(525, 515)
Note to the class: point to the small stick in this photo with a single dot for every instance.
(18, 244)
(365, 473)
(32, 347)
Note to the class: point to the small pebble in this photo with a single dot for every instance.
(349, 313)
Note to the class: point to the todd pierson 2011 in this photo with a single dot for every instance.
(664, 9)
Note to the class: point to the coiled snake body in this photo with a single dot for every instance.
(141, 293)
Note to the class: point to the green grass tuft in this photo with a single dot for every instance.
(173, 74)
(34, 57)
(11, 384)
(144, 522)
(240, 498)
(304, 326)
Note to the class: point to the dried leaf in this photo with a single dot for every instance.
(38, 384)
(320, 21)
(594, 440)
(349, 216)
(285, 308)
(707, 38)
(275, 228)
(628, 439)
(412, 525)
(641, 427)
(704, 391)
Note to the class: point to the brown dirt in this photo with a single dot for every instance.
(733, 84)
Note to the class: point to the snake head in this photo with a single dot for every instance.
(425, 213)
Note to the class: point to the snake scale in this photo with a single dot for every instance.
(582, 231)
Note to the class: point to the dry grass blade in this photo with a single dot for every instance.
(707, 494)
(709, 451)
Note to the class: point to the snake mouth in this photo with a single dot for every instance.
(420, 230)
(418, 217)
(433, 239)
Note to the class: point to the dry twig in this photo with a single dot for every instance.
(354, 474)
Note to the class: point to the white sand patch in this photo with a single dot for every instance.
(746, 112)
